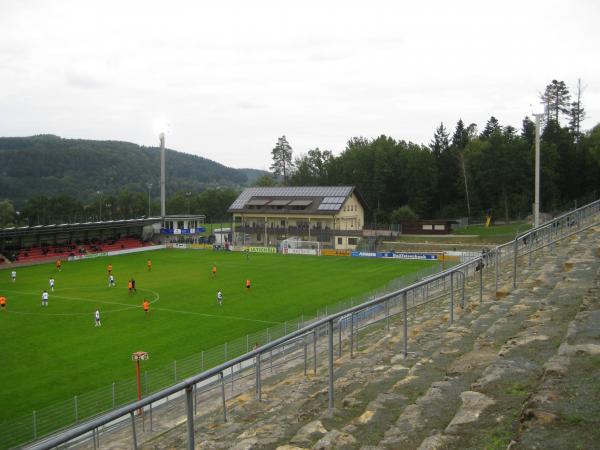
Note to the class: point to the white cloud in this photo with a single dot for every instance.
(232, 77)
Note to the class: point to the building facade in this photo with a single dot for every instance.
(332, 216)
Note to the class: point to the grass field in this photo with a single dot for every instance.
(495, 233)
(50, 354)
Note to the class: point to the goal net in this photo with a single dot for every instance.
(296, 246)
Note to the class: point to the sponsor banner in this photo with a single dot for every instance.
(117, 252)
(177, 245)
(179, 231)
(262, 249)
(301, 251)
(191, 246)
(394, 255)
(364, 254)
(87, 256)
(137, 250)
(330, 252)
(409, 255)
(201, 246)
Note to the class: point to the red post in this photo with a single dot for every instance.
(139, 385)
(137, 356)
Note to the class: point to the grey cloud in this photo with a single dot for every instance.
(84, 81)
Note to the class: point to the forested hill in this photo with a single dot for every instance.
(49, 165)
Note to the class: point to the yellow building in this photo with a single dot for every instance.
(265, 216)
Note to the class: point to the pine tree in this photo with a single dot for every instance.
(440, 141)
(556, 100)
(282, 159)
(491, 126)
(577, 114)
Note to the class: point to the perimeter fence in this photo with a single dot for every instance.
(79, 408)
(236, 364)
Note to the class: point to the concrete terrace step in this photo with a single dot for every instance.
(487, 417)
(463, 388)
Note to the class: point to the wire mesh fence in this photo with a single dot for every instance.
(66, 413)
(430, 287)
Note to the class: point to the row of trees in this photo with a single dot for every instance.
(463, 172)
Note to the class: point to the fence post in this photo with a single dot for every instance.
(451, 297)
(247, 343)
(76, 412)
(174, 371)
(202, 361)
(340, 338)
(352, 335)
(315, 351)
(258, 379)
(223, 396)
(330, 362)
(34, 426)
(497, 268)
(150, 417)
(195, 399)
(190, 418)
(515, 251)
(387, 316)
(225, 349)
(305, 354)
(481, 281)
(405, 324)
(133, 430)
(146, 382)
(462, 292)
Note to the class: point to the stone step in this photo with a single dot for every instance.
(488, 413)
(426, 415)
(374, 389)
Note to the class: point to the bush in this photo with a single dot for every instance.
(402, 213)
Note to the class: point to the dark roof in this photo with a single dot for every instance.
(315, 199)
(57, 228)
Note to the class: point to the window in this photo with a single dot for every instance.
(427, 227)
(352, 241)
(439, 227)
(283, 223)
(339, 241)
(258, 237)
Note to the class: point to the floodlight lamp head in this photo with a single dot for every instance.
(161, 127)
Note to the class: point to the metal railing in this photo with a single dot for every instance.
(71, 411)
(346, 322)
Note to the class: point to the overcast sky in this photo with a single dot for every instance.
(233, 76)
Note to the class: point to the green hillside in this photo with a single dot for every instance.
(49, 165)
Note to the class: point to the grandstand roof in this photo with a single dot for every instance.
(56, 228)
(316, 199)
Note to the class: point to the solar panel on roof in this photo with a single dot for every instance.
(313, 191)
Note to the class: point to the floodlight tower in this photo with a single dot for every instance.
(162, 175)
(536, 204)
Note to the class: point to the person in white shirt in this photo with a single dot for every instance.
(220, 297)
(51, 282)
(98, 324)
(111, 281)
(45, 297)
(13, 276)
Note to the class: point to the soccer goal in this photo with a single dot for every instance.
(296, 246)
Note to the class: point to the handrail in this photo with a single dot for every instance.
(188, 383)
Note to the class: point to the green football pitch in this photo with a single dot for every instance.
(49, 354)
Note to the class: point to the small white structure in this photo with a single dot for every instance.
(222, 236)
